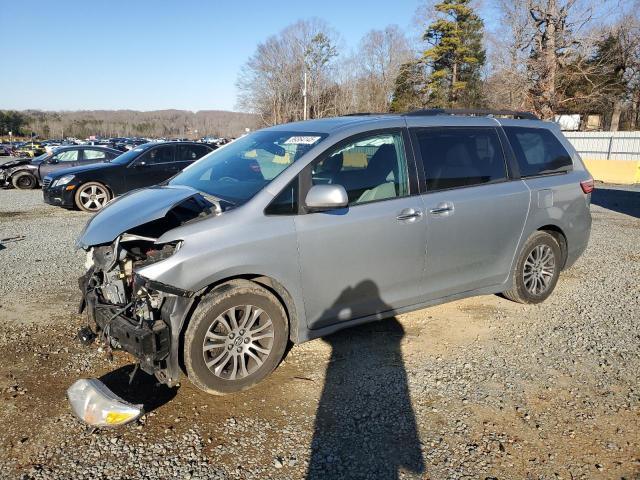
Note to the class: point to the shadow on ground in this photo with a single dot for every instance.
(365, 426)
(144, 389)
(618, 199)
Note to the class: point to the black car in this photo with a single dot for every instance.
(27, 173)
(90, 188)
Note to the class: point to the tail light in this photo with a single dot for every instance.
(587, 186)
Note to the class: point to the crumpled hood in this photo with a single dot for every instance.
(131, 210)
(14, 163)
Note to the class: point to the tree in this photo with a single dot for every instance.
(12, 121)
(318, 54)
(505, 86)
(271, 82)
(595, 82)
(409, 88)
(381, 55)
(455, 57)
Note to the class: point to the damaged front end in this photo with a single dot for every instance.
(129, 312)
(8, 169)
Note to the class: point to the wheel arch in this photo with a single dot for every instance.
(19, 171)
(271, 284)
(556, 232)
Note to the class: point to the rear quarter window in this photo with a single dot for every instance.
(538, 151)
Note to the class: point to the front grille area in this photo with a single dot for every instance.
(46, 182)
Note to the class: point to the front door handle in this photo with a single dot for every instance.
(409, 214)
(443, 208)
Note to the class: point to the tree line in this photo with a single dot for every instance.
(550, 57)
(126, 123)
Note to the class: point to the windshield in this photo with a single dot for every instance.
(239, 170)
(127, 157)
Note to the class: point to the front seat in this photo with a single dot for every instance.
(380, 176)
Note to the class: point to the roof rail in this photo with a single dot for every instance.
(473, 112)
(362, 114)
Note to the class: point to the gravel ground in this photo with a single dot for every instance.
(479, 388)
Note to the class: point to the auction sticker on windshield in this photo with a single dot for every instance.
(304, 140)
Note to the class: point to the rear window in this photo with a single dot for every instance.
(460, 157)
(538, 151)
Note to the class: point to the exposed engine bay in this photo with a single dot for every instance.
(132, 313)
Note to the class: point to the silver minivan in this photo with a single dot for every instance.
(296, 231)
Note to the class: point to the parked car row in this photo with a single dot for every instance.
(90, 187)
(26, 174)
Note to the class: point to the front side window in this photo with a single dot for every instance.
(460, 157)
(66, 156)
(538, 151)
(240, 169)
(94, 155)
(370, 169)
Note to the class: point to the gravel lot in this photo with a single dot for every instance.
(479, 388)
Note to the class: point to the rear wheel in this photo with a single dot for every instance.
(236, 337)
(537, 269)
(24, 181)
(92, 196)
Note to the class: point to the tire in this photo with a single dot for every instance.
(530, 282)
(92, 197)
(24, 181)
(218, 370)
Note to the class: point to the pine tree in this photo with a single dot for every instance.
(456, 56)
(409, 85)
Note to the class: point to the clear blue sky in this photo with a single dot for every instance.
(146, 55)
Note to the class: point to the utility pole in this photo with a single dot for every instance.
(304, 96)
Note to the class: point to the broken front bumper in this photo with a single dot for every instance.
(155, 345)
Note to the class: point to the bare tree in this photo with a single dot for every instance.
(271, 82)
(381, 54)
(547, 62)
(506, 80)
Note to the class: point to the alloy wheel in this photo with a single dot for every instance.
(238, 342)
(93, 197)
(539, 269)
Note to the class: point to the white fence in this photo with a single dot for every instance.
(606, 145)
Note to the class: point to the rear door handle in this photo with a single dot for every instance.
(409, 214)
(443, 208)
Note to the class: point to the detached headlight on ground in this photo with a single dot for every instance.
(93, 403)
(63, 180)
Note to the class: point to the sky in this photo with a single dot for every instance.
(149, 55)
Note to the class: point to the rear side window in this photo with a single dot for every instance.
(191, 152)
(538, 151)
(460, 157)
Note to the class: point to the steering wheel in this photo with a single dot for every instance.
(228, 179)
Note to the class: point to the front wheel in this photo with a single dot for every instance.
(537, 269)
(24, 181)
(92, 196)
(236, 337)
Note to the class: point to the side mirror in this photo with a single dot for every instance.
(326, 197)
(140, 164)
